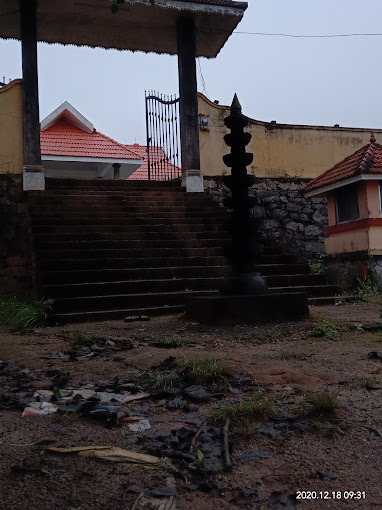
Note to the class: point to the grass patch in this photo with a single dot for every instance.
(324, 330)
(363, 382)
(205, 371)
(330, 429)
(23, 314)
(158, 379)
(321, 403)
(81, 339)
(168, 342)
(290, 354)
(241, 412)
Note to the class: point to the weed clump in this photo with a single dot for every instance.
(203, 371)
(262, 409)
(206, 372)
(290, 354)
(23, 314)
(158, 379)
(324, 330)
(317, 267)
(363, 382)
(330, 429)
(167, 342)
(321, 403)
(81, 339)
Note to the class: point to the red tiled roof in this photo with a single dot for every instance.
(165, 171)
(367, 160)
(64, 139)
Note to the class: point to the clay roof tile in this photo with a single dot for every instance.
(366, 160)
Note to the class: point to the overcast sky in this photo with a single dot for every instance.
(291, 80)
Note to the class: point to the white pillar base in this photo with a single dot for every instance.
(192, 180)
(33, 178)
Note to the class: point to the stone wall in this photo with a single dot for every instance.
(284, 214)
(16, 246)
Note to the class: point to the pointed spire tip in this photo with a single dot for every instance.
(236, 104)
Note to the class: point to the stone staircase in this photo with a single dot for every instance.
(108, 249)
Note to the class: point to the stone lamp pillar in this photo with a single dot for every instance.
(243, 247)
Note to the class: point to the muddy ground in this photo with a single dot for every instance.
(338, 456)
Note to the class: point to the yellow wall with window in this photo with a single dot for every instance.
(11, 128)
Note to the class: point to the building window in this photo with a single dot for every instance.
(347, 204)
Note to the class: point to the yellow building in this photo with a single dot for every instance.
(279, 150)
(353, 192)
(11, 128)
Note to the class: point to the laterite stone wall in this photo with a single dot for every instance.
(16, 246)
(284, 215)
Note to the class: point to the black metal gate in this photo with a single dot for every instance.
(163, 136)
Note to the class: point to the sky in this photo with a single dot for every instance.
(317, 81)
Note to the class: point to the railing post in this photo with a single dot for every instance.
(188, 107)
(33, 175)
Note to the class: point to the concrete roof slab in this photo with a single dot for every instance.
(137, 26)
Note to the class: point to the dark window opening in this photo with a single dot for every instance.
(347, 203)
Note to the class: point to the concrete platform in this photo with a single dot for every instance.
(248, 309)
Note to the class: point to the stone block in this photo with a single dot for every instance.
(271, 224)
(248, 309)
(313, 230)
(33, 181)
(314, 247)
(293, 208)
(258, 212)
(294, 227)
(278, 214)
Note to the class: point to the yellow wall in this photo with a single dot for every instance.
(279, 150)
(11, 128)
(346, 242)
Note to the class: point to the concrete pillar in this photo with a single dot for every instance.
(116, 168)
(192, 177)
(33, 175)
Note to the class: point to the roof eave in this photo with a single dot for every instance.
(137, 26)
(322, 190)
(88, 159)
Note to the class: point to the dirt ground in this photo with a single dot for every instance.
(273, 459)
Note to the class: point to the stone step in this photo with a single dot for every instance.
(330, 300)
(112, 315)
(131, 198)
(132, 287)
(138, 237)
(57, 183)
(72, 264)
(124, 301)
(311, 290)
(49, 217)
(111, 242)
(89, 192)
(156, 230)
(103, 251)
(162, 280)
(126, 275)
